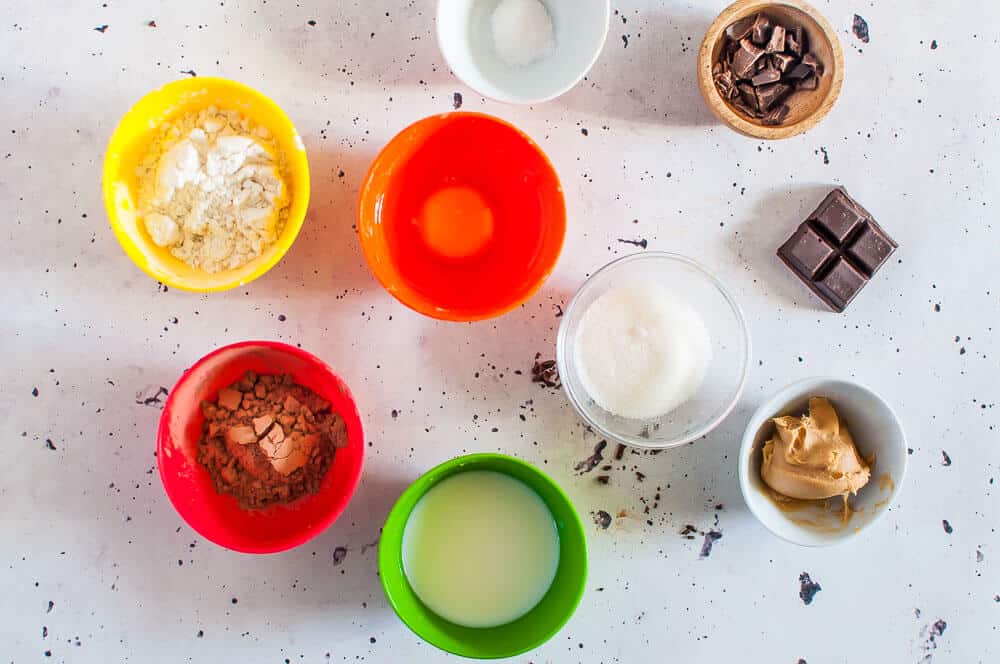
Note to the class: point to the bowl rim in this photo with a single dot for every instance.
(796, 390)
(427, 309)
(524, 99)
(735, 121)
(562, 352)
(399, 515)
(337, 507)
(298, 162)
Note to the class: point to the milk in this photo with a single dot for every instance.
(480, 549)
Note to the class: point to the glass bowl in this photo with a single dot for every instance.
(727, 370)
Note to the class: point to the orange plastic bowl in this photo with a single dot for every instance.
(219, 518)
(461, 217)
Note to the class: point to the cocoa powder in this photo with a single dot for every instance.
(267, 440)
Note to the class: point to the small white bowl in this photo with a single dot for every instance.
(465, 37)
(875, 429)
(727, 370)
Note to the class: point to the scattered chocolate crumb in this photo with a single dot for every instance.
(826, 156)
(189, 72)
(937, 307)
(311, 21)
(151, 396)
(603, 479)
(45, 631)
(945, 459)
(152, 24)
(559, 310)
(947, 526)
(200, 633)
(602, 519)
(860, 29)
(456, 100)
(720, 507)
(933, 44)
(545, 373)
(642, 243)
(688, 529)
(593, 460)
(584, 131)
(640, 476)
(933, 631)
(807, 588)
(34, 391)
(711, 537)
(282, 317)
(979, 556)
(50, 606)
(49, 444)
(102, 29)
(339, 554)
(234, 600)
(619, 452)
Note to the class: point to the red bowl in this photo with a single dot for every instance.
(219, 518)
(461, 217)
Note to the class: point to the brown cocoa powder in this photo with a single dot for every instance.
(267, 440)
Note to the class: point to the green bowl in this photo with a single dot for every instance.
(530, 630)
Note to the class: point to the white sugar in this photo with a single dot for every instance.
(642, 351)
(522, 32)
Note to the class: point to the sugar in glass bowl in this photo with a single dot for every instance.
(725, 376)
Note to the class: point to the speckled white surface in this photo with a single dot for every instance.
(97, 567)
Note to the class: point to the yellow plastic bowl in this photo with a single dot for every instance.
(129, 144)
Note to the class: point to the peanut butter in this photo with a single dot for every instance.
(813, 457)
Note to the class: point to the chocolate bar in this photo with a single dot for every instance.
(837, 249)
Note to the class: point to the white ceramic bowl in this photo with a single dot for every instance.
(727, 369)
(876, 430)
(465, 37)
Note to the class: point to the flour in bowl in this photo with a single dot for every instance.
(211, 190)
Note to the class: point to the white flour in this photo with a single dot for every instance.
(211, 190)
(522, 32)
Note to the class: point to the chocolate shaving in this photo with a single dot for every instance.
(593, 460)
(546, 373)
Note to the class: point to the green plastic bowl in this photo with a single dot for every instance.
(530, 630)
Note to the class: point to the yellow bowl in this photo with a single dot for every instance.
(129, 144)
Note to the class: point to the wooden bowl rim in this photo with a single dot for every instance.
(714, 100)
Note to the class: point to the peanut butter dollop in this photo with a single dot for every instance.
(813, 457)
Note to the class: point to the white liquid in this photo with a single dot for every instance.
(480, 549)
(641, 351)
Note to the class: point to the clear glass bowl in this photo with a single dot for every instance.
(727, 370)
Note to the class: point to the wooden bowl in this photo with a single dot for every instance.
(807, 107)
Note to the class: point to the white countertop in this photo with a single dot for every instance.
(97, 566)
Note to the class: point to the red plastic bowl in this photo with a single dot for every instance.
(461, 217)
(219, 518)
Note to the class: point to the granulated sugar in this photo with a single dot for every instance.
(522, 32)
(211, 190)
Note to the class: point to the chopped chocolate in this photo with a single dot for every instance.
(776, 115)
(837, 250)
(860, 29)
(760, 64)
(777, 42)
(741, 28)
(745, 58)
(760, 34)
(769, 95)
(767, 75)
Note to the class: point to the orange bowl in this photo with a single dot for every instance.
(461, 217)
(219, 518)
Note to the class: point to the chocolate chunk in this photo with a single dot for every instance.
(782, 61)
(837, 250)
(808, 83)
(860, 28)
(748, 95)
(769, 95)
(799, 71)
(776, 115)
(745, 58)
(760, 34)
(871, 247)
(807, 251)
(741, 28)
(746, 109)
(777, 42)
(767, 75)
(809, 60)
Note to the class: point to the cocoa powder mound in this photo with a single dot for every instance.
(267, 440)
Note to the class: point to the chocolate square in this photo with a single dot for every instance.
(841, 284)
(837, 250)
(807, 251)
(871, 248)
(838, 216)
